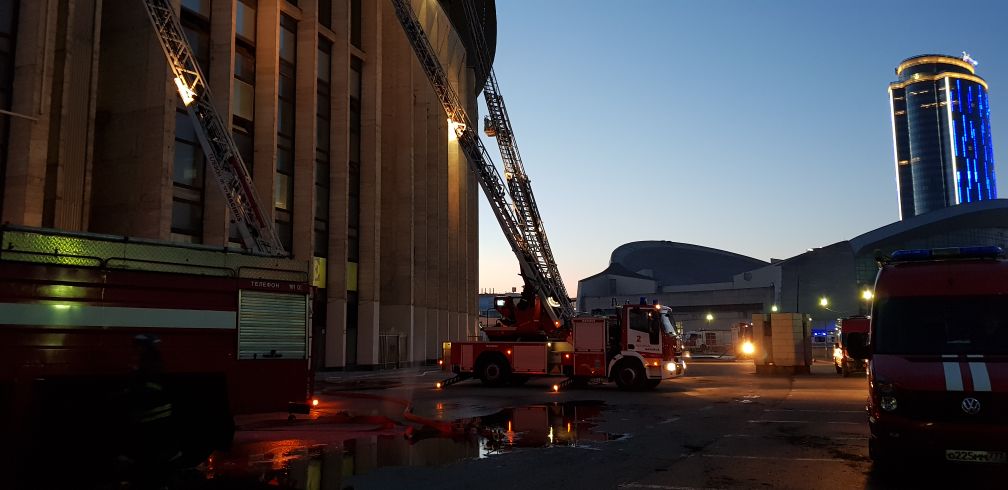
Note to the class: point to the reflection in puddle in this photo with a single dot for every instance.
(323, 460)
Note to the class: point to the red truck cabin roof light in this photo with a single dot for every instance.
(991, 252)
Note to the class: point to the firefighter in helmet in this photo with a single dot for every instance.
(150, 443)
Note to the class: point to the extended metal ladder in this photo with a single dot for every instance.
(519, 219)
(519, 185)
(222, 155)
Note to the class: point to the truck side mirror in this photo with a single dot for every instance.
(857, 345)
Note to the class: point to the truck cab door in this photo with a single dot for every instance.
(644, 330)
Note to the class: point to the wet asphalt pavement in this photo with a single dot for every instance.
(721, 426)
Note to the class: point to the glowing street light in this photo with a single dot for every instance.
(773, 308)
(710, 317)
(867, 294)
(824, 302)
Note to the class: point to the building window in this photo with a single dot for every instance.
(189, 165)
(187, 178)
(198, 7)
(245, 20)
(325, 13)
(323, 116)
(243, 91)
(356, 21)
(8, 34)
(283, 195)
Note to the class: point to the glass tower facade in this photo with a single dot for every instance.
(941, 134)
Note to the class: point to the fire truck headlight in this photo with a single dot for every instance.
(748, 348)
(671, 367)
(883, 387)
(888, 403)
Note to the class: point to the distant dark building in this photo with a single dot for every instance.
(941, 134)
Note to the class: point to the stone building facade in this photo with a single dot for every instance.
(332, 114)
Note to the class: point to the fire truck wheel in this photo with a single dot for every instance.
(629, 375)
(493, 370)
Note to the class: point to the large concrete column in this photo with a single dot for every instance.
(397, 144)
(424, 341)
(336, 272)
(75, 71)
(220, 78)
(443, 283)
(306, 83)
(28, 143)
(458, 166)
(371, 156)
(436, 144)
(267, 87)
(470, 234)
(134, 128)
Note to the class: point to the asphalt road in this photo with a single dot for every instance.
(721, 426)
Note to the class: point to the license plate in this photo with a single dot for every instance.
(976, 456)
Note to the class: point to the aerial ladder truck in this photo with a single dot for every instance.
(539, 335)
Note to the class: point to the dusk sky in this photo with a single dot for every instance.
(757, 127)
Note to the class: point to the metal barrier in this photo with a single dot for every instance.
(392, 352)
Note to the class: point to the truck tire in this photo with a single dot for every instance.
(629, 375)
(493, 369)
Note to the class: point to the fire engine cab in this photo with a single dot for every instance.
(938, 356)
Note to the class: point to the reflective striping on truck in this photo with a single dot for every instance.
(83, 315)
(981, 379)
(953, 376)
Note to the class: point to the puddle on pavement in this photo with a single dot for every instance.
(314, 459)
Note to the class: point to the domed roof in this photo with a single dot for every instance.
(673, 263)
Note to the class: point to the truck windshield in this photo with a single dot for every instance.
(941, 325)
(668, 323)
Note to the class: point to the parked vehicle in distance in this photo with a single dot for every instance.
(938, 356)
(844, 363)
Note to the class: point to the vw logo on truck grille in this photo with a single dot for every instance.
(971, 405)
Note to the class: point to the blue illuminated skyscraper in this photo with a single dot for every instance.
(941, 134)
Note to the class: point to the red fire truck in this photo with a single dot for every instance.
(843, 361)
(637, 348)
(938, 357)
(233, 330)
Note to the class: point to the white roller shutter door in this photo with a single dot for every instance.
(272, 325)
